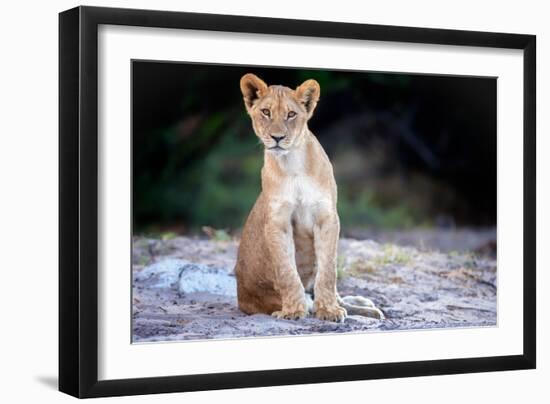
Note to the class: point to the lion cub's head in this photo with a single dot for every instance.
(279, 114)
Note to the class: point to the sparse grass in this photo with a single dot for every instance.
(340, 272)
(144, 260)
(169, 235)
(392, 255)
(216, 234)
(359, 267)
(140, 242)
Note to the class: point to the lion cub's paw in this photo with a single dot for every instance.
(331, 313)
(290, 314)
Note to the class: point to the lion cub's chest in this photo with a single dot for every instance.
(303, 201)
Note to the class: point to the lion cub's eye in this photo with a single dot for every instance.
(291, 114)
(266, 112)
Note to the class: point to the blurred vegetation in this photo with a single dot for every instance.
(407, 150)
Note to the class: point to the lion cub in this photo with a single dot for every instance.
(289, 242)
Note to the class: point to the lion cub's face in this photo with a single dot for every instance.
(279, 114)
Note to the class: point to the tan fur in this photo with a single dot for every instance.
(289, 242)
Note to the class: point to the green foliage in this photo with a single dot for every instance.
(220, 188)
(226, 184)
(216, 190)
(326, 79)
(363, 209)
(204, 169)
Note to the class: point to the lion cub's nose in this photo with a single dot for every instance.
(278, 138)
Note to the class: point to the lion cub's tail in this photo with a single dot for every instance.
(361, 306)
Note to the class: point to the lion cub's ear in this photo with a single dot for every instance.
(252, 88)
(308, 94)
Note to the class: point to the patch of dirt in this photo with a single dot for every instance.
(184, 289)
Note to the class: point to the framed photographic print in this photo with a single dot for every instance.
(251, 201)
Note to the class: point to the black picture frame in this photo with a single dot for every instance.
(78, 201)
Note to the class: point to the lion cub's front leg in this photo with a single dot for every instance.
(325, 235)
(287, 281)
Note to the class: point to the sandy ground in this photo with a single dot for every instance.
(184, 289)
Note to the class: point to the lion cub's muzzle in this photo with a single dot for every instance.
(277, 138)
(279, 144)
